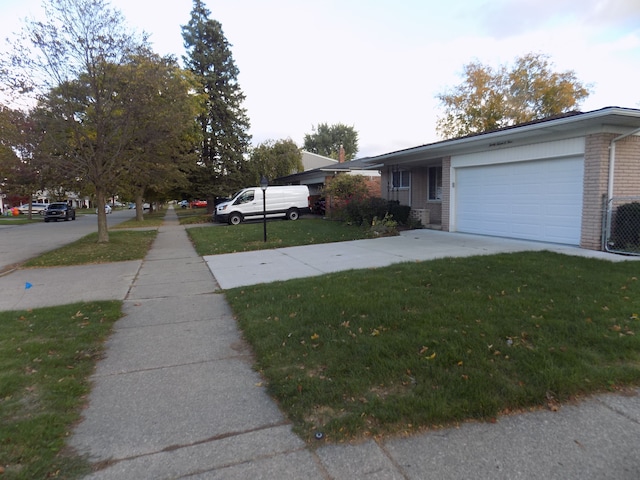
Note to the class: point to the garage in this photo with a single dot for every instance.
(535, 200)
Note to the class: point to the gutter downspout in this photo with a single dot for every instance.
(612, 164)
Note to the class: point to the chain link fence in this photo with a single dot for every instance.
(621, 232)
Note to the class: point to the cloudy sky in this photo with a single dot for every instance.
(378, 65)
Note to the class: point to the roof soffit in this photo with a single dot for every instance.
(609, 120)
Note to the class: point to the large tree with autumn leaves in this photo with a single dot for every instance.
(489, 99)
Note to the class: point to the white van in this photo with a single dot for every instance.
(288, 202)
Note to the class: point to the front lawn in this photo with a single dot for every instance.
(46, 358)
(218, 239)
(417, 345)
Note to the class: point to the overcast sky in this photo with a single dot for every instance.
(377, 65)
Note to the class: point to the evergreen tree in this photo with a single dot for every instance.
(224, 123)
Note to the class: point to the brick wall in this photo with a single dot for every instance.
(627, 168)
(446, 193)
(596, 181)
(596, 173)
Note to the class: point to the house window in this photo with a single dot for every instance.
(401, 179)
(435, 183)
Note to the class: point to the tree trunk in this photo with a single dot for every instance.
(139, 208)
(103, 231)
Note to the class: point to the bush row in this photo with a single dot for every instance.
(364, 211)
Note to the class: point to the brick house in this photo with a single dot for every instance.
(549, 180)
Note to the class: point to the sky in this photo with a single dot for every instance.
(378, 65)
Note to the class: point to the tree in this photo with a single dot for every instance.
(345, 187)
(73, 66)
(18, 170)
(326, 140)
(275, 159)
(224, 123)
(489, 99)
(164, 134)
(23, 164)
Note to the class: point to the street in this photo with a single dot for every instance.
(19, 243)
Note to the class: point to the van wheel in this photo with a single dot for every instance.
(235, 219)
(293, 214)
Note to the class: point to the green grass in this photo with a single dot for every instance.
(20, 220)
(46, 358)
(219, 239)
(122, 246)
(192, 216)
(418, 345)
(150, 220)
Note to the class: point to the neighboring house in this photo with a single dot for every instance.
(317, 178)
(555, 180)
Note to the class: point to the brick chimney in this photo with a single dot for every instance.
(341, 154)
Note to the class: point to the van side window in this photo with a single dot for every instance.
(246, 197)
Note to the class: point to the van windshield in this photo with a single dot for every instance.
(246, 197)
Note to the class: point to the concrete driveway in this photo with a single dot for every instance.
(264, 266)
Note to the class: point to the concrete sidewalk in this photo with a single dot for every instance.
(176, 395)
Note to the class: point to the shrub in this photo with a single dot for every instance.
(399, 212)
(385, 227)
(363, 211)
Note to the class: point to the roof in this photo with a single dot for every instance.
(609, 119)
(313, 160)
(330, 169)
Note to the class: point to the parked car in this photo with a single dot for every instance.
(199, 204)
(319, 206)
(183, 204)
(59, 211)
(35, 208)
(107, 209)
(285, 201)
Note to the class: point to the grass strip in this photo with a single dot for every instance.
(46, 358)
(21, 219)
(219, 239)
(193, 216)
(122, 246)
(150, 220)
(417, 345)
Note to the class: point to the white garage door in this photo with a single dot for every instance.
(537, 200)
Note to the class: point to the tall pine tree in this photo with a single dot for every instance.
(225, 123)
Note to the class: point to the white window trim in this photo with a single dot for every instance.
(402, 173)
